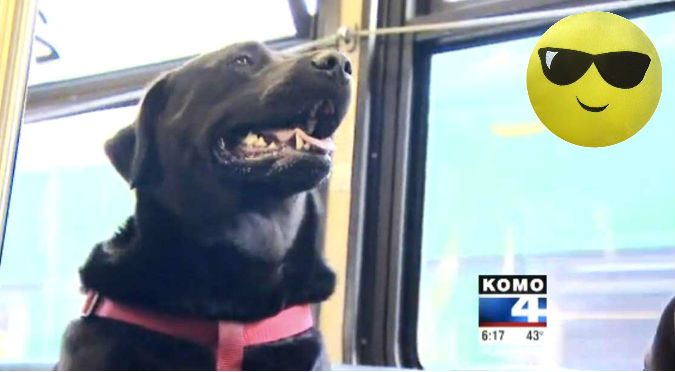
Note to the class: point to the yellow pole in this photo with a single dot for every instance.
(338, 203)
(17, 18)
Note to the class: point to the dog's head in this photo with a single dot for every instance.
(242, 118)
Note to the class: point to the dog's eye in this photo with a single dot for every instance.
(242, 61)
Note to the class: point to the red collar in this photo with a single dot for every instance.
(227, 339)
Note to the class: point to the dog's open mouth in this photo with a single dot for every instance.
(310, 133)
(258, 145)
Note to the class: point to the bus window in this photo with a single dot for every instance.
(149, 35)
(503, 195)
(65, 197)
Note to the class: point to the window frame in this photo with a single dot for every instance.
(380, 325)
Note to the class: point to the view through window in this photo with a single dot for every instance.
(92, 37)
(503, 195)
(66, 197)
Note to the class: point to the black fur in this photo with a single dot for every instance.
(207, 239)
(661, 356)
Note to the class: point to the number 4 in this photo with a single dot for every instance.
(528, 307)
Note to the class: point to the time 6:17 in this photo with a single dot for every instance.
(496, 335)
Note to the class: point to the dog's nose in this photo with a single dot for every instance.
(333, 63)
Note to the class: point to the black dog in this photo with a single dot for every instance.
(661, 356)
(224, 157)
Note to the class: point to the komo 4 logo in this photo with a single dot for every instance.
(525, 295)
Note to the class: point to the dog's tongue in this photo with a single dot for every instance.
(285, 135)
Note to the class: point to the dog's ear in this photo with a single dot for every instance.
(132, 150)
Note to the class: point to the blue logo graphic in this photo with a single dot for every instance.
(525, 311)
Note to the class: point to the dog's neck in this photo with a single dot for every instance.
(252, 265)
(264, 229)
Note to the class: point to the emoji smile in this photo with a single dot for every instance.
(592, 108)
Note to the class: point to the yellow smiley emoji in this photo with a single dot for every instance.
(594, 79)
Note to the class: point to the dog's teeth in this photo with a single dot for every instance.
(298, 142)
(221, 143)
(261, 142)
(250, 139)
(272, 146)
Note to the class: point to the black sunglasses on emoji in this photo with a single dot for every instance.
(622, 69)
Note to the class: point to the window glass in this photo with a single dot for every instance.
(66, 197)
(503, 195)
(76, 38)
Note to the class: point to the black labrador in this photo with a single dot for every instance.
(225, 156)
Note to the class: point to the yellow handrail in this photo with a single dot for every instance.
(17, 19)
(339, 201)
